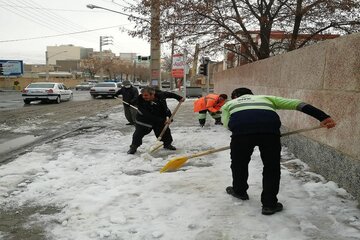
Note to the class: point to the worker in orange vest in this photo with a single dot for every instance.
(212, 104)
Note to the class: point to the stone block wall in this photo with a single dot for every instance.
(326, 75)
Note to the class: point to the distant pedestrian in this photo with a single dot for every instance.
(129, 94)
(253, 122)
(153, 114)
(211, 103)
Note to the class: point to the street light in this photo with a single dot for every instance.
(155, 71)
(91, 6)
(47, 62)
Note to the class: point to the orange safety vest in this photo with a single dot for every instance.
(209, 102)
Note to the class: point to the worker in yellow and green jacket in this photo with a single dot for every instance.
(253, 122)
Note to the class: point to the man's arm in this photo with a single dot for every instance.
(172, 95)
(135, 93)
(225, 115)
(325, 120)
(295, 104)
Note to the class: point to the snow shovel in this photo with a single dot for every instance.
(132, 106)
(158, 143)
(177, 162)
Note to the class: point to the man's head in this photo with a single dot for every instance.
(148, 93)
(222, 97)
(239, 92)
(126, 84)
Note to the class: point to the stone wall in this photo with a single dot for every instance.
(326, 75)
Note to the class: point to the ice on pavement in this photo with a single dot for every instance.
(103, 193)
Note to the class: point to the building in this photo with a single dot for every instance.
(66, 52)
(234, 53)
(128, 57)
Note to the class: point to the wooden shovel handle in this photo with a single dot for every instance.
(207, 152)
(167, 125)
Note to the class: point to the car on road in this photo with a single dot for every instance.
(84, 86)
(46, 92)
(104, 89)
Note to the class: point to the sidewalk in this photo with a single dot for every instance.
(87, 187)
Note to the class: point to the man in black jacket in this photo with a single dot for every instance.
(153, 114)
(129, 94)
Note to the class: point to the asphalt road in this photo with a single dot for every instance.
(22, 125)
(13, 99)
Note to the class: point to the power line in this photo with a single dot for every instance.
(58, 35)
(49, 9)
(55, 17)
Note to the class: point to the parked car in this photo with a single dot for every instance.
(104, 89)
(84, 86)
(46, 92)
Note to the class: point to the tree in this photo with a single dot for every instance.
(218, 23)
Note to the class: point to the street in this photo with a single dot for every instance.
(13, 99)
(21, 125)
(83, 185)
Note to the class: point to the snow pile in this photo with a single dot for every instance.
(103, 193)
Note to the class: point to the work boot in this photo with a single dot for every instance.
(169, 147)
(132, 149)
(202, 122)
(271, 210)
(218, 121)
(242, 196)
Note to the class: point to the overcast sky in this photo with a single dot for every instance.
(26, 19)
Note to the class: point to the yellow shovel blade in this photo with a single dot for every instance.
(174, 164)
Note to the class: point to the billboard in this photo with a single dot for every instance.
(178, 66)
(11, 67)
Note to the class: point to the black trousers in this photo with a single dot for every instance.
(130, 113)
(141, 131)
(241, 150)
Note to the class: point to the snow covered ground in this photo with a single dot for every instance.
(103, 193)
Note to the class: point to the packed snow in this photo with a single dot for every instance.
(103, 193)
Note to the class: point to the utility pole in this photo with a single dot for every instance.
(47, 65)
(172, 79)
(155, 44)
(195, 62)
(104, 40)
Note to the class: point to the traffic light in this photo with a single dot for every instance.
(141, 58)
(1, 70)
(203, 69)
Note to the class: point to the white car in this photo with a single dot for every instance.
(84, 86)
(46, 91)
(104, 89)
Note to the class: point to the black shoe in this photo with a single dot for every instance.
(218, 121)
(231, 191)
(132, 150)
(170, 147)
(202, 122)
(272, 210)
(129, 124)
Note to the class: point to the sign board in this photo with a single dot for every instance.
(11, 67)
(178, 66)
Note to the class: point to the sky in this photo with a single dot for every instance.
(26, 19)
(103, 193)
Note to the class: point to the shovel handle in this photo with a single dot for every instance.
(300, 131)
(167, 125)
(207, 152)
(132, 106)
